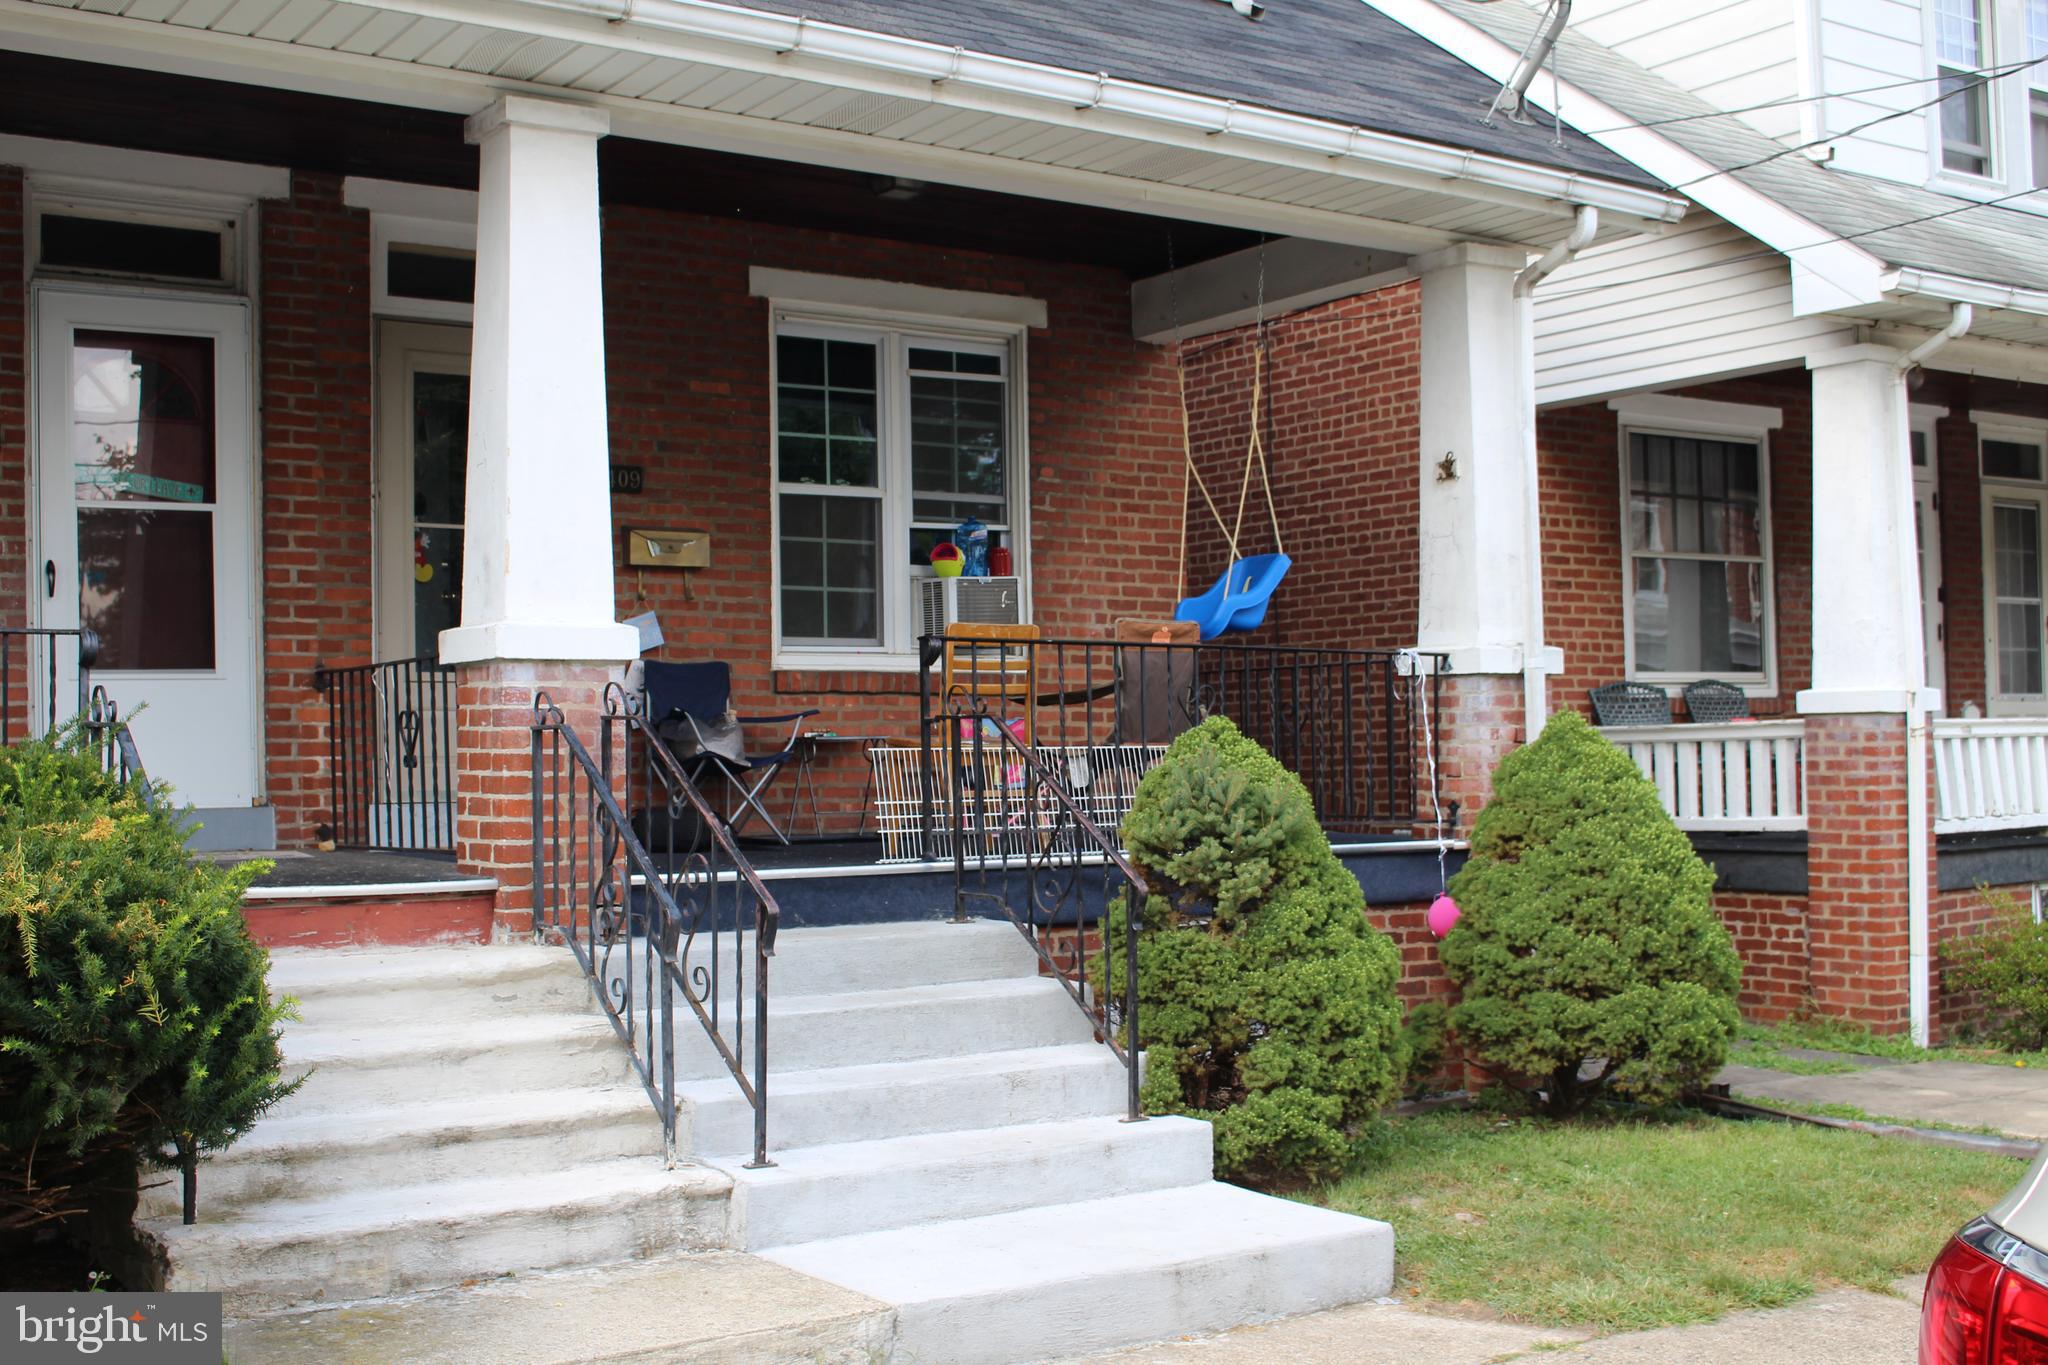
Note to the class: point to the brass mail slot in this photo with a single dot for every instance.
(669, 549)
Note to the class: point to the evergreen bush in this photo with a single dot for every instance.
(2006, 966)
(1588, 952)
(134, 1020)
(1266, 999)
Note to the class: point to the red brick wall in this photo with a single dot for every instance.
(687, 354)
(315, 382)
(1579, 454)
(1856, 866)
(14, 480)
(1770, 934)
(1340, 406)
(1962, 563)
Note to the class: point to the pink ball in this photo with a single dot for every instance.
(1443, 913)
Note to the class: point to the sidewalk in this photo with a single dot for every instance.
(2010, 1099)
(1840, 1327)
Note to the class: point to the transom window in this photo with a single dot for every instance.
(885, 440)
(1697, 561)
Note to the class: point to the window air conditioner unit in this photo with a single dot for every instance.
(943, 602)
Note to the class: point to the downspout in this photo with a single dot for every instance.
(1535, 681)
(1919, 960)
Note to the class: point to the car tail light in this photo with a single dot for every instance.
(1986, 1302)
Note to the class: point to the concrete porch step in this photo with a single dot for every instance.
(873, 957)
(897, 1099)
(1070, 1278)
(337, 987)
(855, 1187)
(904, 1024)
(394, 1239)
(712, 1308)
(306, 1156)
(368, 1065)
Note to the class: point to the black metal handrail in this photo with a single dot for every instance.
(35, 649)
(391, 753)
(1000, 783)
(648, 930)
(1355, 725)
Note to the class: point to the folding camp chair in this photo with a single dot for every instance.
(690, 705)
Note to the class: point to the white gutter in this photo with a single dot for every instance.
(785, 38)
(1962, 289)
(1535, 674)
(1919, 950)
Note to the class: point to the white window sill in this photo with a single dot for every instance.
(1674, 684)
(844, 661)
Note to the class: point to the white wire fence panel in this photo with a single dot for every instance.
(1005, 811)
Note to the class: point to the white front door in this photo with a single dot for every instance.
(422, 459)
(145, 485)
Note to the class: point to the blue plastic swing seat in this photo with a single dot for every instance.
(1238, 601)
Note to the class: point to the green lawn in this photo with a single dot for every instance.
(1630, 1224)
(1759, 1041)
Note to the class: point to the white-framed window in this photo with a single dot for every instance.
(2012, 457)
(1964, 116)
(887, 432)
(1698, 598)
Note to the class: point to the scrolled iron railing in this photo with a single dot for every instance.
(1354, 725)
(112, 741)
(391, 753)
(652, 926)
(999, 783)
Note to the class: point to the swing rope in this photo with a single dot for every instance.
(1255, 448)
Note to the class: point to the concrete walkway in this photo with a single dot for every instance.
(2010, 1099)
(1841, 1327)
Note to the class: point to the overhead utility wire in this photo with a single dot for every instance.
(1846, 132)
(1771, 252)
(1989, 73)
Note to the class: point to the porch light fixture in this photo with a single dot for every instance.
(895, 187)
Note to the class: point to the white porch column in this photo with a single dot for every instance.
(1479, 567)
(537, 549)
(1867, 650)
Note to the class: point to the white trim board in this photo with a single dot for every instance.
(71, 162)
(1697, 414)
(801, 288)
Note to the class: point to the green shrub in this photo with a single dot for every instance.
(134, 1022)
(1423, 1035)
(1588, 935)
(2006, 965)
(1266, 999)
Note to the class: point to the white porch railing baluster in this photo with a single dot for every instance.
(1742, 776)
(1990, 774)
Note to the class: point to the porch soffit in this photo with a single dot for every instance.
(1250, 169)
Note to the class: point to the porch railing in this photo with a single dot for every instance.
(391, 753)
(1723, 777)
(114, 743)
(33, 700)
(660, 907)
(1348, 723)
(1990, 774)
(1063, 885)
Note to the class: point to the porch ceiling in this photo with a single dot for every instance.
(714, 77)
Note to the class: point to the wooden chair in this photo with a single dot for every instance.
(995, 665)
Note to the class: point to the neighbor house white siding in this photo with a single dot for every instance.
(1732, 53)
(1703, 301)
(1865, 43)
